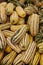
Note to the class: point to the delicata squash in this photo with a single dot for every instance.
(33, 22)
(18, 59)
(8, 59)
(24, 43)
(29, 53)
(5, 26)
(36, 58)
(3, 16)
(14, 47)
(18, 35)
(40, 46)
(7, 33)
(2, 41)
(41, 59)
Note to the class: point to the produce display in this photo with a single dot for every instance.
(21, 32)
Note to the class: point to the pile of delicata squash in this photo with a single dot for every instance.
(21, 32)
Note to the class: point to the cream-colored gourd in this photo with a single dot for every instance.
(20, 11)
(14, 18)
(3, 4)
(9, 8)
